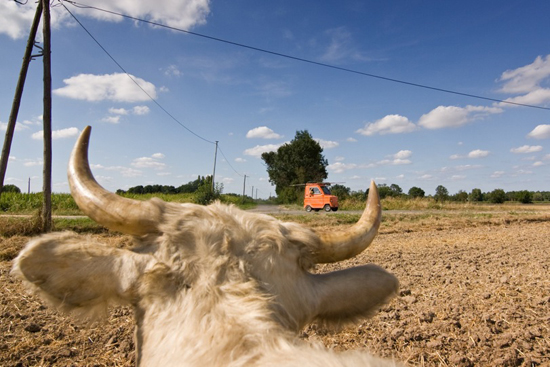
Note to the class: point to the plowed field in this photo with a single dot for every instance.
(474, 292)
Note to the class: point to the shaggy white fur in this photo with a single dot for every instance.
(216, 286)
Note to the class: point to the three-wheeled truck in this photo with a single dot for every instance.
(317, 196)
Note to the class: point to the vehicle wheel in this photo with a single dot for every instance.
(327, 208)
(308, 208)
(334, 209)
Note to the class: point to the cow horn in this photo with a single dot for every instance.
(337, 246)
(106, 208)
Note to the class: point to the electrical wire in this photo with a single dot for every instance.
(227, 161)
(418, 85)
(133, 80)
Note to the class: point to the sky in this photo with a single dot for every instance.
(158, 98)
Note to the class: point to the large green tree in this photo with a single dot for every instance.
(297, 162)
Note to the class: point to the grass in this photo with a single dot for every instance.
(399, 213)
(64, 204)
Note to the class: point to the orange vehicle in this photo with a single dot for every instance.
(317, 196)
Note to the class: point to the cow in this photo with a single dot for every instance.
(210, 285)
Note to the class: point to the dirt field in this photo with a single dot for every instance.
(474, 292)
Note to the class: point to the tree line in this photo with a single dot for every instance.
(497, 196)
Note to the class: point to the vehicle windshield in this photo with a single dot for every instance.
(326, 190)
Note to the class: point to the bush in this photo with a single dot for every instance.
(497, 196)
(11, 188)
(524, 197)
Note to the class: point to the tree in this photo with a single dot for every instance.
(384, 191)
(524, 197)
(396, 190)
(11, 188)
(343, 192)
(297, 162)
(497, 196)
(476, 195)
(416, 192)
(460, 196)
(441, 193)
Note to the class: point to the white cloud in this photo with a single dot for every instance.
(340, 167)
(173, 70)
(57, 134)
(397, 159)
(536, 97)
(426, 177)
(140, 110)
(118, 111)
(351, 140)
(149, 162)
(452, 116)
(18, 126)
(32, 163)
(240, 160)
(259, 149)
(393, 162)
(111, 119)
(402, 154)
(526, 149)
(15, 20)
(497, 174)
(540, 132)
(527, 78)
(125, 171)
(390, 124)
(538, 164)
(456, 156)
(465, 167)
(478, 153)
(327, 144)
(262, 132)
(114, 87)
(342, 47)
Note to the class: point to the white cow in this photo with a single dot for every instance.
(210, 286)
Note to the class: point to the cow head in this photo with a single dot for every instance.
(210, 285)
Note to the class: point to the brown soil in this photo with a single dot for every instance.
(471, 295)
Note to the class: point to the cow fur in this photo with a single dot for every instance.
(216, 286)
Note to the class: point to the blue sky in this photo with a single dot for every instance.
(253, 102)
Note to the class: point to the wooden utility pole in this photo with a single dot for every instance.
(214, 172)
(244, 187)
(17, 98)
(47, 119)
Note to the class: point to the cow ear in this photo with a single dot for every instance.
(349, 295)
(79, 275)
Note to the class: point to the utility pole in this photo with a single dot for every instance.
(252, 193)
(244, 187)
(18, 94)
(29, 186)
(214, 172)
(47, 119)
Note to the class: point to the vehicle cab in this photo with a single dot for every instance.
(317, 196)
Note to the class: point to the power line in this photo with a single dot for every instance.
(227, 161)
(418, 85)
(148, 95)
(133, 80)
